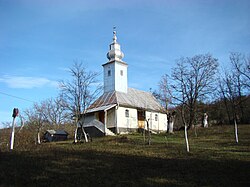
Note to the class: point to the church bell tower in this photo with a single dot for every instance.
(115, 70)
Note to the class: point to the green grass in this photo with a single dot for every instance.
(214, 160)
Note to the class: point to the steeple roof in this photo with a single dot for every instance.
(115, 53)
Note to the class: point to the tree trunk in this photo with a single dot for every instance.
(205, 122)
(191, 118)
(236, 131)
(85, 135)
(171, 127)
(226, 105)
(195, 131)
(144, 136)
(76, 121)
(186, 128)
(75, 141)
(149, 135)
(38, 137)
(186, 138)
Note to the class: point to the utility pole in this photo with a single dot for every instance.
(14, 115)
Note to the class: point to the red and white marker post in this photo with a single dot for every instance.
(14, 115)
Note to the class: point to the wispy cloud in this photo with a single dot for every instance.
(27, 82)
(148, 61)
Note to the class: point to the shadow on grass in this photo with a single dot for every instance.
(91, 168)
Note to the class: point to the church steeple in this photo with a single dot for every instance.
(115, 70)
(115, 52)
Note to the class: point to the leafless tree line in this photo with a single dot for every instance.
(69, 107)
(234, 84)
(197, 80)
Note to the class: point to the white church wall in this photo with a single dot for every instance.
(121, 81)
(163, 122)
(115, 77)
(109, 78)
(127, 122)
(150, 117)
(111, 118)
(157, 121)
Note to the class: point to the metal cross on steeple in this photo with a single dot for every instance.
(114, 34)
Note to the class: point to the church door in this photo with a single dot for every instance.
(141, 119)
(101, 116)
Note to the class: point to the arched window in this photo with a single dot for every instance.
(156, 117)
(109, 72)
(127, 113)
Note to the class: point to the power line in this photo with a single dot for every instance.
(17, 97)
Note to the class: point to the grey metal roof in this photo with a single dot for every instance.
(51, 131)
(101, 108)
(61, 132)
(133, 98)
(58, 132)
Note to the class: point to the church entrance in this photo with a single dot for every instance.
(141, 118)
(101, 116)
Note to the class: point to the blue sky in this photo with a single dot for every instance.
(40, 39)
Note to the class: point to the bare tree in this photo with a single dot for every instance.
(234, 87)
(80, 91)
(6, 124)
(222, 94)
(241, 65)
(241, 74)
(164, 94)
(56, 110)
(192, 80)
(229, 91)
(36, 118)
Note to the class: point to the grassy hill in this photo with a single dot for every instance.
(214, 160)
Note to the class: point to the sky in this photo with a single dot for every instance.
(41, 39)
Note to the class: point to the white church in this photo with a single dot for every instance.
(121, 109)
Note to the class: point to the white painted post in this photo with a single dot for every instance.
(12, 134)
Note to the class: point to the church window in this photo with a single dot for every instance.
(121, 72)
(109, 72)
(156, 117)
(127, 113)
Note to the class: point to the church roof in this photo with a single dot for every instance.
(133, 98)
